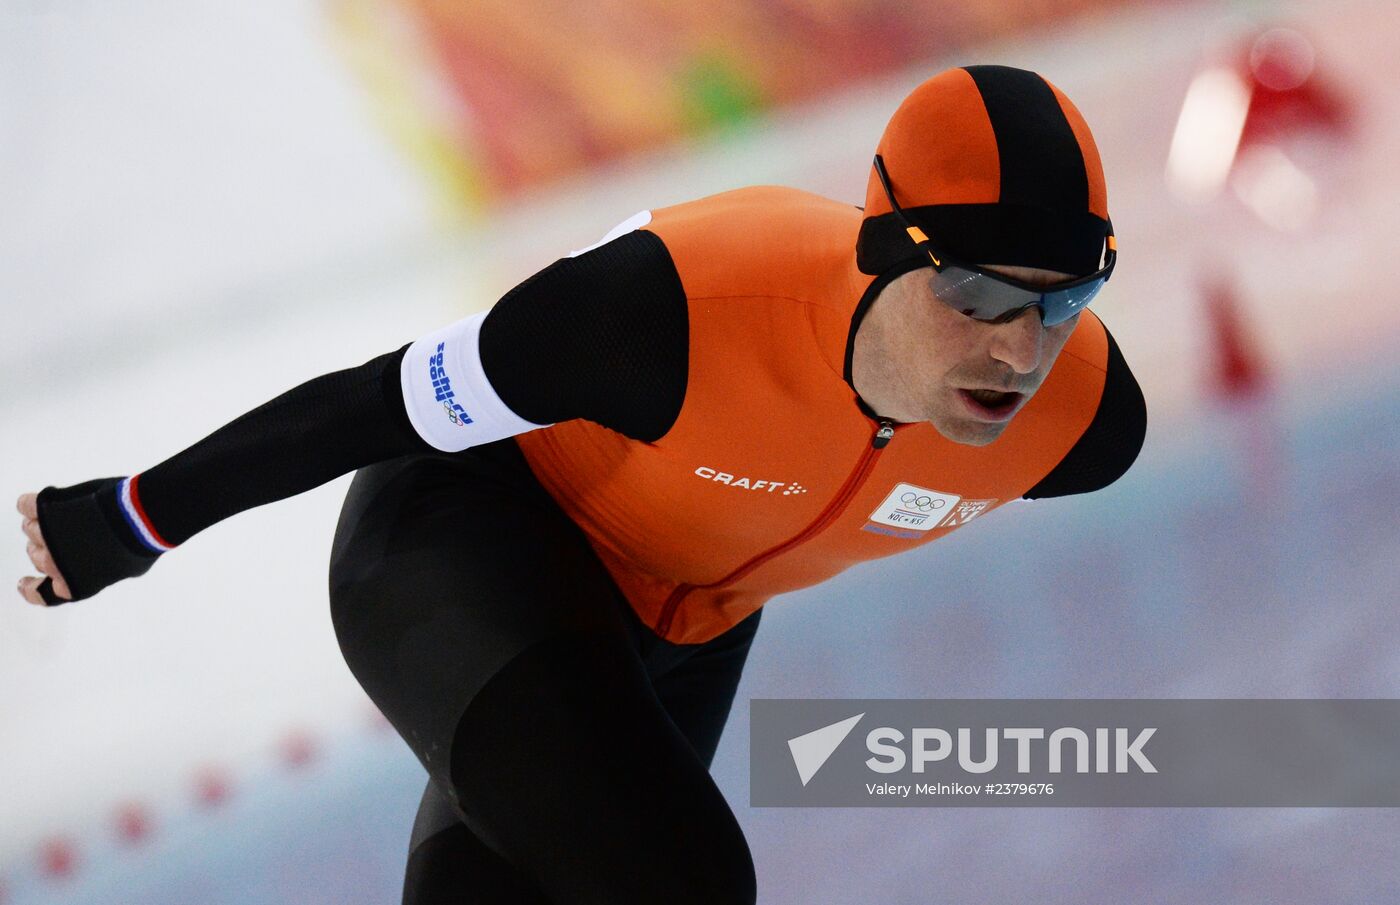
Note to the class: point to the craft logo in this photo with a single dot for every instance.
(442, 389)
(786, 488)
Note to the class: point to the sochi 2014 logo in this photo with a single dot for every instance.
(442, 389)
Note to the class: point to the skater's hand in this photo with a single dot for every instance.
(28, 507)
(85, 528)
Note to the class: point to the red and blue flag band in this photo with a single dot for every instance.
(136, 516)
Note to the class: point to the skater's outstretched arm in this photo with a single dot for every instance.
(601, 336)
(92, 534)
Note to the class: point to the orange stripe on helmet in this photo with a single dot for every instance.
(1093, 166)
(942, 128)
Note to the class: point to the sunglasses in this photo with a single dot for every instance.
(986, 296)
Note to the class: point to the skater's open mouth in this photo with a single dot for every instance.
(990, 405)
(993, 398)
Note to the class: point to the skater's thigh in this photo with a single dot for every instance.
(568, 764)
(576, 787)
(445, 569)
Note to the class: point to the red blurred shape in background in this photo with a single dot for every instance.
(58, 858)
(1238, 368)
(298, 749)
(1288, 91)
(211, 787)
(133, 823)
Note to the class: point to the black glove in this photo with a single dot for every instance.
(91, 543)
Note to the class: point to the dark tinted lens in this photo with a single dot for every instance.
(987, 299)
(1061, 306)
(976, 295)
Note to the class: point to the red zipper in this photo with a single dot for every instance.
(884, 432)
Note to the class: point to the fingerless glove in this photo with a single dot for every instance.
(90, 540)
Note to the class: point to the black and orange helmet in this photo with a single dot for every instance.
(996, 166)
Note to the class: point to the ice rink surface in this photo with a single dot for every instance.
(163, 278)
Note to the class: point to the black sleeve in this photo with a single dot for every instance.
(311, 434)
(314, 432)
(1110, 443)
(604, 336)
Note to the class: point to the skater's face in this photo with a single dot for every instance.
(917, 359)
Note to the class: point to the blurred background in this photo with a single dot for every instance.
(203, 205)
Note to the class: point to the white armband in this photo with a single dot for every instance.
(450, 401)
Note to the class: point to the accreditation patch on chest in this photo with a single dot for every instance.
(912, 508)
